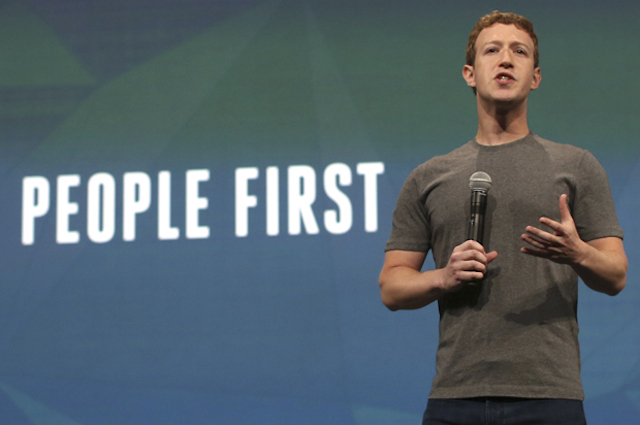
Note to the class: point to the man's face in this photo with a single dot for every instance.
(503, 72)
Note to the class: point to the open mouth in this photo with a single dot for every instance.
(502, 77)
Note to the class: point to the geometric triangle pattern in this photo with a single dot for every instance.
(32, 55)
(38, 413)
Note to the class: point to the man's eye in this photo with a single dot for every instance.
(521, 52)
(491, 50)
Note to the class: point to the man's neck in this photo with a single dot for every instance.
(500, 125)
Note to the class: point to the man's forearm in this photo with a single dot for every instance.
(603, 266)
(404, 288)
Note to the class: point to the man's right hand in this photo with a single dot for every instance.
(467, 263)
(404, 286)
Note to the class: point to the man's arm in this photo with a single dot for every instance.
(604, 266)
(601, 263)
(404, 286)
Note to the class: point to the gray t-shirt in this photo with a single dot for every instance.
(516, 334)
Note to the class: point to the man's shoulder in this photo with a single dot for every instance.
(446, 162)
(555, 148)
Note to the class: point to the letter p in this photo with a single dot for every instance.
(35, 203)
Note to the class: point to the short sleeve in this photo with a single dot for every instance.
(410, 228)
(593, 209)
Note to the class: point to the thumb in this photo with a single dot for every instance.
(491, 256)
(565, 212)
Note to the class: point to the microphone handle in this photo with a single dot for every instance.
(476, 220)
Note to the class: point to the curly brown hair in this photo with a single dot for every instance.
(497, 17)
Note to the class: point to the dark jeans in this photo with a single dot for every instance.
(503, 411)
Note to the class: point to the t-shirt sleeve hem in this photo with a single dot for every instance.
(419, 247)
(603, 233)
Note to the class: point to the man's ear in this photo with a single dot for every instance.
(537, 77)
(469, 75)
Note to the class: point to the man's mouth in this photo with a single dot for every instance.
(504, 77)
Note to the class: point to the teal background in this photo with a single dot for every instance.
(285, 329)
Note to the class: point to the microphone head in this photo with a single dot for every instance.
(480, 181)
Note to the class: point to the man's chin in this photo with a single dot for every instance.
(505, 101)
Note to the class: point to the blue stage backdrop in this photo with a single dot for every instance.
(195, 198)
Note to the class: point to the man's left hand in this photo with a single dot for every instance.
(563, 246)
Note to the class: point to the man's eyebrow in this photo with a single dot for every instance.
(519, 44)
(510, 44)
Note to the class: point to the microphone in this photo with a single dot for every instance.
(479, 183)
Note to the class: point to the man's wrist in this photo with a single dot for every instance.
(583, 253)
(445, 282)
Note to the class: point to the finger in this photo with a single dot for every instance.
(557, 257)
(470, 245)
(491, 256)
(535, 252)
(534, 242)
(469, 255)
(553, 225)
(542, 236)
(547, 250)
(472, 266)
(466, 276)
(565, 212)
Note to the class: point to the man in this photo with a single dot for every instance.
(508, 346)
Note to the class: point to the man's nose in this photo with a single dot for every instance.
(506, 61)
